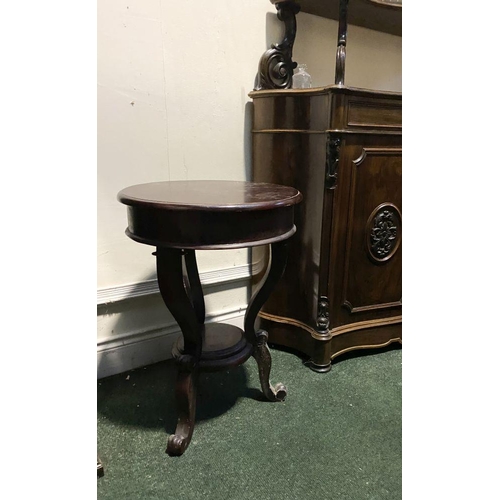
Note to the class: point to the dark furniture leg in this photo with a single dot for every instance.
(259, 339)
(189, 312)
(100, 468)
(185, 394)
(194, 289)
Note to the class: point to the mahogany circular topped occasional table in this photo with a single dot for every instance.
(180, 217)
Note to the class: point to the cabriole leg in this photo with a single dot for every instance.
(258, 339)
(189, 314)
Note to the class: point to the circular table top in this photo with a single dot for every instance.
(210, 195)
(209, 214)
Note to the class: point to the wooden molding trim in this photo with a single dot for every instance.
(333, 89)
(367, 131)
(339, 330)
(371, 307)
(149, 287)
(386, 151)
(360, 325)
(360, 106)
(333, 131)
(353, 348)
(289, 321)
(286, 131)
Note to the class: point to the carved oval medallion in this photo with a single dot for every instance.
(383, 232)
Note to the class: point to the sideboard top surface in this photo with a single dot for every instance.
(334, 108)
(330, 89)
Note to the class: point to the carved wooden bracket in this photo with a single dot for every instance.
(276, 65)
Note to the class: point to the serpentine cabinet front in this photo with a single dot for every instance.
(341, 147)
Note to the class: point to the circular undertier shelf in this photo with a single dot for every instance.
(223, 346)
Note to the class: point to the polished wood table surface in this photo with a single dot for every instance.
(180, 217)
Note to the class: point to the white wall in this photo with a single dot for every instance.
(373, 61)
(173, 83)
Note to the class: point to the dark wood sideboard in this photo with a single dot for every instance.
(341, 147)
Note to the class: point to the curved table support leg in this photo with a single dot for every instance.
(263, 358)
(174, 294)
(259, 339)
(185, 394)
(195, 290)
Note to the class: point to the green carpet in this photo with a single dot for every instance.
(336, 436)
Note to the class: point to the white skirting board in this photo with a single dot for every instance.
(139, 336)
(123, 354)
(207, 279)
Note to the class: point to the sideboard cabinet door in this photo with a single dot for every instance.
(366, 261)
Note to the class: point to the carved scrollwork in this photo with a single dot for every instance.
(384, 232)
(332, 160)
(323, 317)
(275, 70)
(276, 65)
